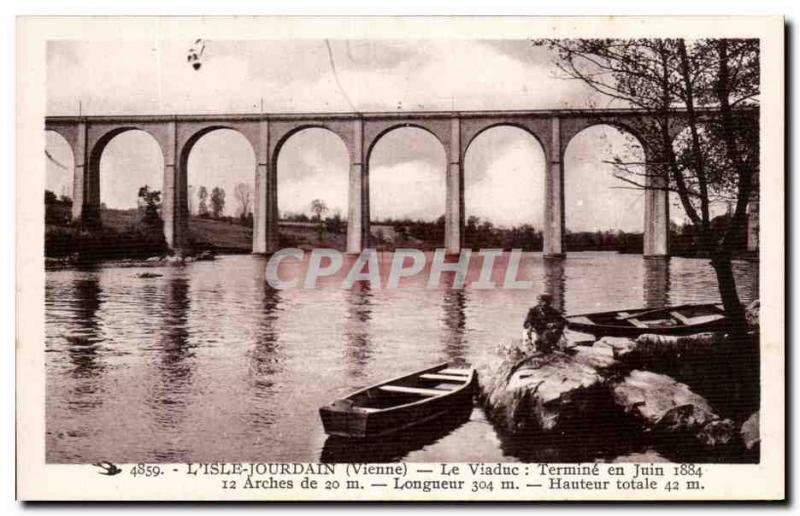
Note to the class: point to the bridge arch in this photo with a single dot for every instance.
(373, 139)
(206, 152)
(99, 141)
(289, 134)
(504, 160)
(408, 157)
(652, 198)
(61, 160)
(312, 163)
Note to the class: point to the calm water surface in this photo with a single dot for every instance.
(207, 363)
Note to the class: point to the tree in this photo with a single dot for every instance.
(150, 203)
(318, 207)
(49, 197)
(217, 202)
(202, 208)
(244, 196)
(711, 88)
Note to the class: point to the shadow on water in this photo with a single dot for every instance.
(454, 304)
(656, 281)
(393, 447)
(359, 314)
(168, 398)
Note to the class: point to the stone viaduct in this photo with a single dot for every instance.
(176, 135)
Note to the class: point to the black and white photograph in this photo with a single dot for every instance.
(264, 260)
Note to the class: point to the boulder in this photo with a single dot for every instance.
(546, 393)
(750, 432)
(650, 347)
(641, 458)
(666, 407)
(751, 314)
(574, 338)
(619, 346)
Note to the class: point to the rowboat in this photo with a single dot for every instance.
(397, 446)
(673, 320)
(400, 403)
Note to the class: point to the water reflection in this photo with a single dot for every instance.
(84, 345)
(359, 313)
(555, 280)
(265, 360)
(168, 399)
(454, 304)
(656, 281)
(210, 350)
(84, 340)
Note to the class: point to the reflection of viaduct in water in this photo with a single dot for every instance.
(555, 281)
(174, 367)
(359, 313)
(83, 345)
(656, 282)
(265, 358)
(83, 341)
(553, 129)
(454, 305)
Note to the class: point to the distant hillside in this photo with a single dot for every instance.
(231, 237)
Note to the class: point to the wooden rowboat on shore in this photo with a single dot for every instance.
(673, 320)
(395, 405)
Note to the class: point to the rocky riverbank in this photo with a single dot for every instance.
(690, 398)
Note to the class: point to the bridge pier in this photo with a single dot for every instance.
(454, 202)
(358, 194)
(553, 235)
(174, 197)
(656, 215)
(260, 204)
(79, 177)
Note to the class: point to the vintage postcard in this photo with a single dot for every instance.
(407, 259)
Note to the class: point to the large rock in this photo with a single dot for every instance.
(574, 338)
(544, 392)
(651, 348)
(666, 407)
(752, 314)
(641, 458)
(618, 346)
(750, 432)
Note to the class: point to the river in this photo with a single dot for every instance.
(207, 363)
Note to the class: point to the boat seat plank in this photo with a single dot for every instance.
(455, 371)
(682, 318)
(705, 319)
(443, 377)
(637, 323)
(445, 386)
(581, 320)
(411, 390)
(622, 315)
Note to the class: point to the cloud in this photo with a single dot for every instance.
(504, 178)
(413, 189)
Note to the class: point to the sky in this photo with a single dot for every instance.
(504, 167)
